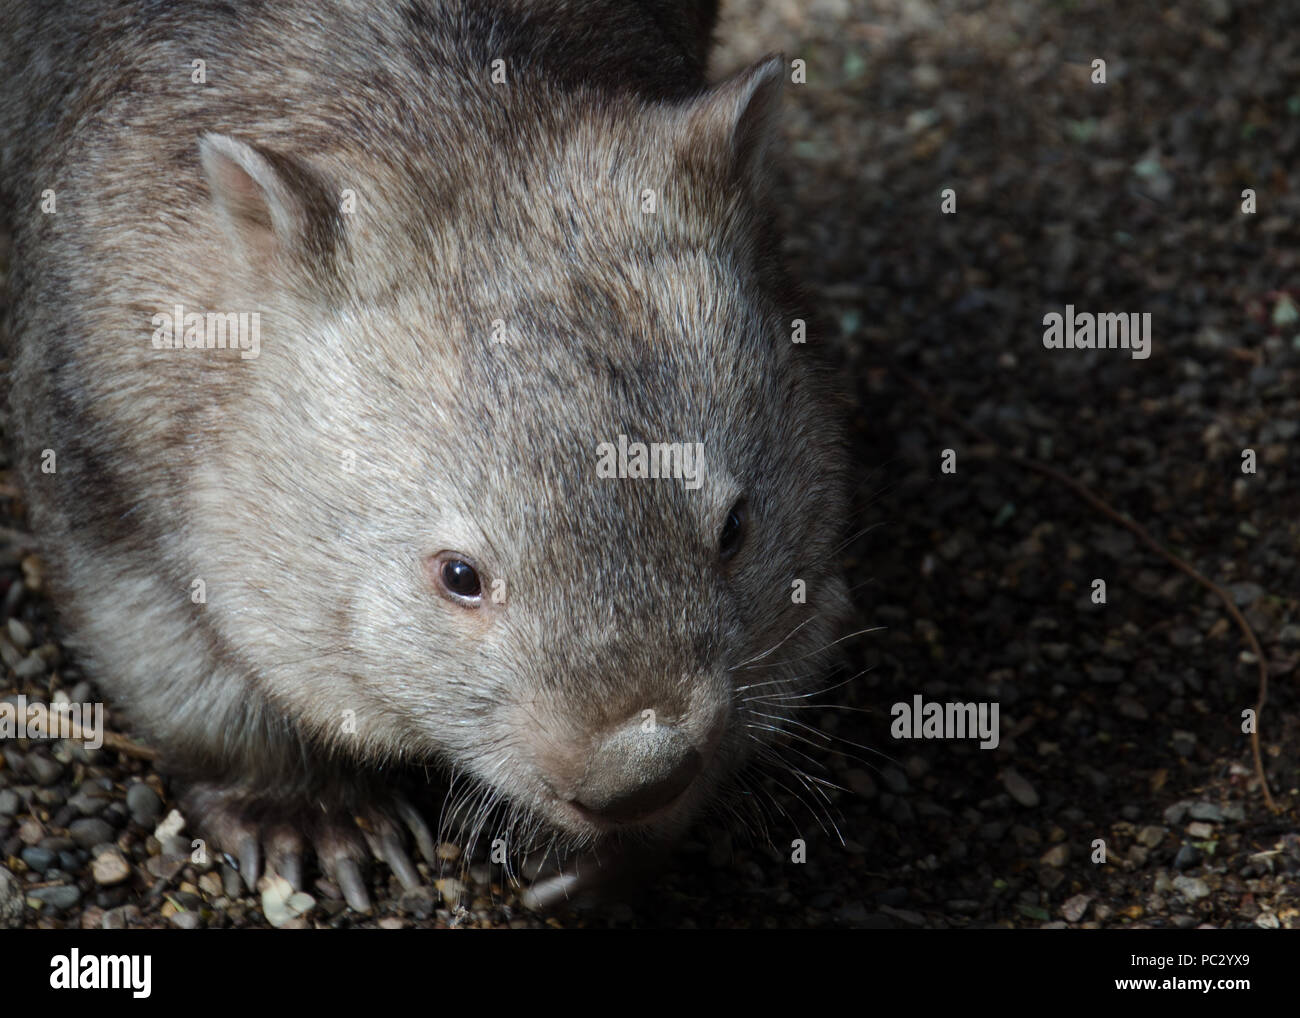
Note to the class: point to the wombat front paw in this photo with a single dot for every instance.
(342, 838)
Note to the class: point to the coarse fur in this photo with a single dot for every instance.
(439, 359)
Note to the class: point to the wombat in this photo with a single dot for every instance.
(407, 390)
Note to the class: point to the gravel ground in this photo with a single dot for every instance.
(1120, 722)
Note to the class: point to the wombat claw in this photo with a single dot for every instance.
(341, 843)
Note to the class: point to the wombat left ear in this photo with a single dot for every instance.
(275, 209)
(734, 121)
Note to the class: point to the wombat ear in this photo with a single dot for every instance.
(733, 121)
(274, 208)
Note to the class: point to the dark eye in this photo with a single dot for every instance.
(460, 579)
(733, 532)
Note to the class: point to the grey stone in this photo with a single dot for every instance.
(91, 831)
(59, 897)
(145, 807)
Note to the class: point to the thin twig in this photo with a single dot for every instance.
(64, 727)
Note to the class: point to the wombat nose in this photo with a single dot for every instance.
(633, 772)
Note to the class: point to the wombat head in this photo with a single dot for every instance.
(433, 505)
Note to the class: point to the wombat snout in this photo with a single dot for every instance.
(628, 773)
(631, 772)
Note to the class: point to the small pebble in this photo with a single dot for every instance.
(186, 901)
(121, 918)
(1192, 888)
(11, 900)
(90, 831)
(13, 598)
(1187, 857)
(1056, 856)
(164, 868)
(1073, 909)
(231, 884)
(1244, 594)
(1151, 836)
(39, 859)
(59, 897)
(109, 868)
(1131, 708)
(89, 800)
(43, 770)
(30, 832)
(281, 903)
(144, 805)
(19, 634)
(31, 666)
(1206, 811)
(186, 920)
(171, 825)
(1019, 789)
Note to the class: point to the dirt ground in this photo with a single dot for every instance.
(1121, 722)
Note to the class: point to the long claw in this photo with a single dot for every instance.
(289, 866)
(392, 852)
(284, 856)
(550, 891)
(420, 831)
(586, 873)
(351, 884)
(250, 863)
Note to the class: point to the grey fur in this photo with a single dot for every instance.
(475, 201)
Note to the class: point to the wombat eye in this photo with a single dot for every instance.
(733, 532)
(460, 579)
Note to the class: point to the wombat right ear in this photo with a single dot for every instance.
(274, 209)
(732, 123)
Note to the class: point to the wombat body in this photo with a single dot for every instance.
(473, 245)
